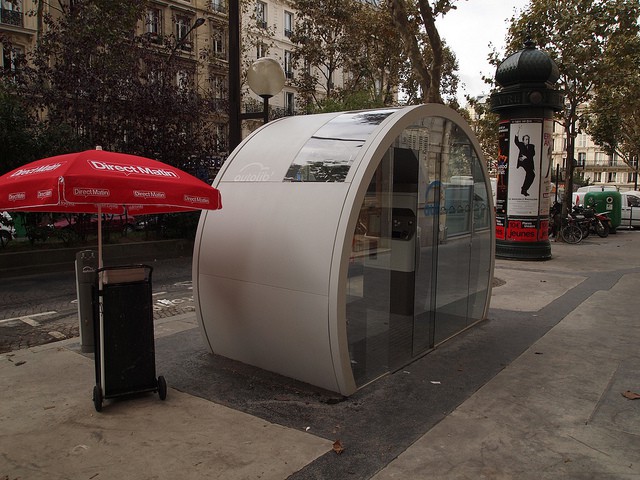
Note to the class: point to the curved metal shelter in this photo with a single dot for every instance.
(349, 244)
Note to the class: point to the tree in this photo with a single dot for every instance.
(375, 61)
(576, 34)
(322, 44)
(16, 133)
(484, 125)
(614, 112)
(416, 22)
(101, 84)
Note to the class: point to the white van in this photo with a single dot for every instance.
(630, 209)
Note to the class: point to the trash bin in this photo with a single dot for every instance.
(125, 344)
(606, 202)
(86, 282)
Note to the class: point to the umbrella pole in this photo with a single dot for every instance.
(100, 236)
(100, 307)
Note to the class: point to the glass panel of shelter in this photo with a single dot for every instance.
(328, 155)
(415, 275)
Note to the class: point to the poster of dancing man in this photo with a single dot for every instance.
(524, 165)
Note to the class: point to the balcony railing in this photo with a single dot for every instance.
(11, 17)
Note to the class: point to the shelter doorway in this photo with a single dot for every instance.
(414, 267)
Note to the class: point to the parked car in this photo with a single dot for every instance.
(630, 209)
(7, 232)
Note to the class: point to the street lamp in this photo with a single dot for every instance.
(266, 79)
(264, 87)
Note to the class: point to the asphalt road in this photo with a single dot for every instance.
(39, 309)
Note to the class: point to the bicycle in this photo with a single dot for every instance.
(570, 231)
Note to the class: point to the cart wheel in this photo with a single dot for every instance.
(162, 387)
(97, 398)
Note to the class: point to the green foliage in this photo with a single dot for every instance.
(484, 125)
(16, 133)
(351, 36)
(430, 60)
(614, 112)
(97, 83)
(323, 44)
(358, 100)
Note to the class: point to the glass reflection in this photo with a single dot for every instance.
(330, 152)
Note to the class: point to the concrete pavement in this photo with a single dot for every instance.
(535, 392)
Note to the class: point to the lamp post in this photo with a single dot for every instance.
(235, 123)
(265, 77)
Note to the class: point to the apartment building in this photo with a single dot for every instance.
(593, 163)
(200, 31)
(19, 29)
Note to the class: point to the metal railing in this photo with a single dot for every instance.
(11, 17)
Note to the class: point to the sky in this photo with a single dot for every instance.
(468, 30)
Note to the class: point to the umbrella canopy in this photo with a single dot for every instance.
(99, 181)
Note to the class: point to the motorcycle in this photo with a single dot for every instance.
(591, 221)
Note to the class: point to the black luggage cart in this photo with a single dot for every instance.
(124, 338)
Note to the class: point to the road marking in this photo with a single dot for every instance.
(30, 321)
(28, 318)
(158, 293)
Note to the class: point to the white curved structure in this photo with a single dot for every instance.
(348, 245)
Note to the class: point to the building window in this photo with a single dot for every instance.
(10, 13)
(153, 22)
(182, 80)
(597, 177)
(631, 177)
(613, 160)
(219, 46)
(218, 6)
(288, 64)
(11, 59)
(289, 103)
(261, 50)
(183, 25)
(611, 177)
(600, 160)
(582, 159)
(261, 14)
(218, 86)
(288, 24)
(582, 140)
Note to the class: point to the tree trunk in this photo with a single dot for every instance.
(433, 96)
(401, 21)
(570, 131)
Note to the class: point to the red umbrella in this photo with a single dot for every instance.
(98, 181)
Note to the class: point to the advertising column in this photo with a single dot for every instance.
(526, 105)
(524, 180)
